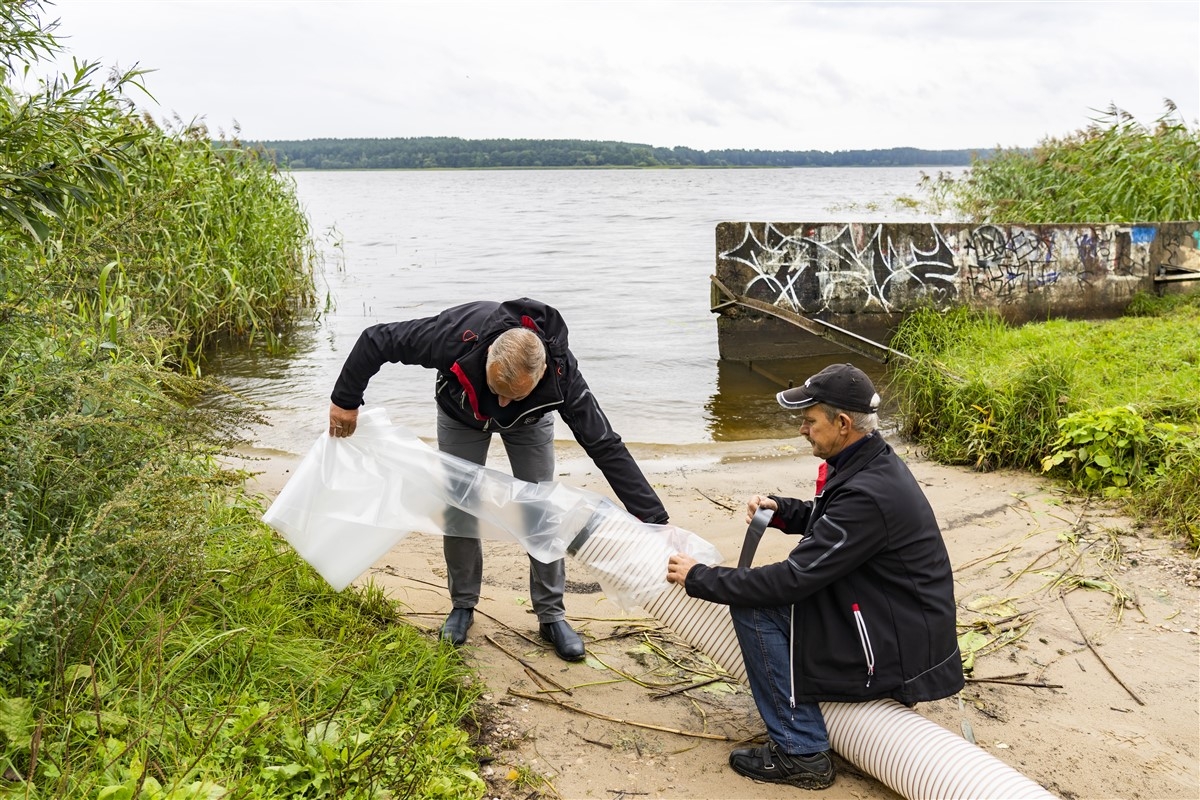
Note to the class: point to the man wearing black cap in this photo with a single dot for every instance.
(863, 606)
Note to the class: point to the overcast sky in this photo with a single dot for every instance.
(708, 75)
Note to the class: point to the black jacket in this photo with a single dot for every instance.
(455, 343)
(870, 542)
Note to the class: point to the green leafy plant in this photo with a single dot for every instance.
(63, 144)
(1058, 396)
(1170, 496)
(1101, 451)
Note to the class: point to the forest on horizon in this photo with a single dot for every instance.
(457, 153)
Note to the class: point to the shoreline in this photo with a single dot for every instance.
(1119, 714)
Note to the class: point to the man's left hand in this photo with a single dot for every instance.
(678, 567)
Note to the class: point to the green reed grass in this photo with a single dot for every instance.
(1114, 170)
(1108, 405)
(209, 241)
(156, 639)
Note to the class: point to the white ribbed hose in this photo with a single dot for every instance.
(912, 755)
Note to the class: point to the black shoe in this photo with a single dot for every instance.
(767, 764)
(566, 642)
(454, 629)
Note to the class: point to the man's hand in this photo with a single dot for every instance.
(678, 566)
(342, 422)
(757, 502)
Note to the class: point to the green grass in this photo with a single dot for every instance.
(1110, 406)
(252, 678)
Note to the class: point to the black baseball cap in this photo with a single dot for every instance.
(841, 386)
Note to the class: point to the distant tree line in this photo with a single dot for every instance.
(444, 152)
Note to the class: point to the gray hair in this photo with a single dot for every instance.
(859, 421)
(517, 353)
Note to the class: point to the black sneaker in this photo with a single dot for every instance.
(767, 764)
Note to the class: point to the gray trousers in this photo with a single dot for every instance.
(530, 451)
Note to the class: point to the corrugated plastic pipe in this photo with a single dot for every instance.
(351, 499)
(912, 755)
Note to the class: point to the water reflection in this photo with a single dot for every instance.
(744, 405)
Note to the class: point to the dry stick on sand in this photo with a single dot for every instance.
(689, 687)
(528, 667)
(1001, 554)
(1063, 596)
(716, 502)
(1028, 567)
(595, 715)
(1016, 683)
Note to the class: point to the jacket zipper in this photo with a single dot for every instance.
(792, 656)
(542, 409)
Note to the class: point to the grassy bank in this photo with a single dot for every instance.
(1107, 406)
(156, 640)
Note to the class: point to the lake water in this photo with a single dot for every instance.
(624, 254)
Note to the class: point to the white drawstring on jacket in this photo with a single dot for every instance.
(866, 642)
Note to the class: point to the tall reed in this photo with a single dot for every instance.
(210, 240)
(1114, 170)
(156, 639)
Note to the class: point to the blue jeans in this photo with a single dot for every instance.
(764, 634)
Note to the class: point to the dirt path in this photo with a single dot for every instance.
(1087, 683)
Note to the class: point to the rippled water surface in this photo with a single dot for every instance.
(624, 254)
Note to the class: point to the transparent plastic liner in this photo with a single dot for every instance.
(351, 500)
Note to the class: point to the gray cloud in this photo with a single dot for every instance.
(768, 75)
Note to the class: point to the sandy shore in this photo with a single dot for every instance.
(1089, 686)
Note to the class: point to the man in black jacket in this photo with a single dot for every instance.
(863, 606)
(501, 368)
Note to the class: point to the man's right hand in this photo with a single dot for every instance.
(756, 502)
(342, 422)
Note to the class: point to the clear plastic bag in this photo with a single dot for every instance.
(351, 500)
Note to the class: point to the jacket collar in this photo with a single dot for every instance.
(855, 457)
(471, 373)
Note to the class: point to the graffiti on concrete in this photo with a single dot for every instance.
(1003, 264)
(1180, 249)
(852, 267)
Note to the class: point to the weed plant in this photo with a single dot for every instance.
(252, 678)
(1109, 406)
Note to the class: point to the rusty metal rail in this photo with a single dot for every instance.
(723, 298)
